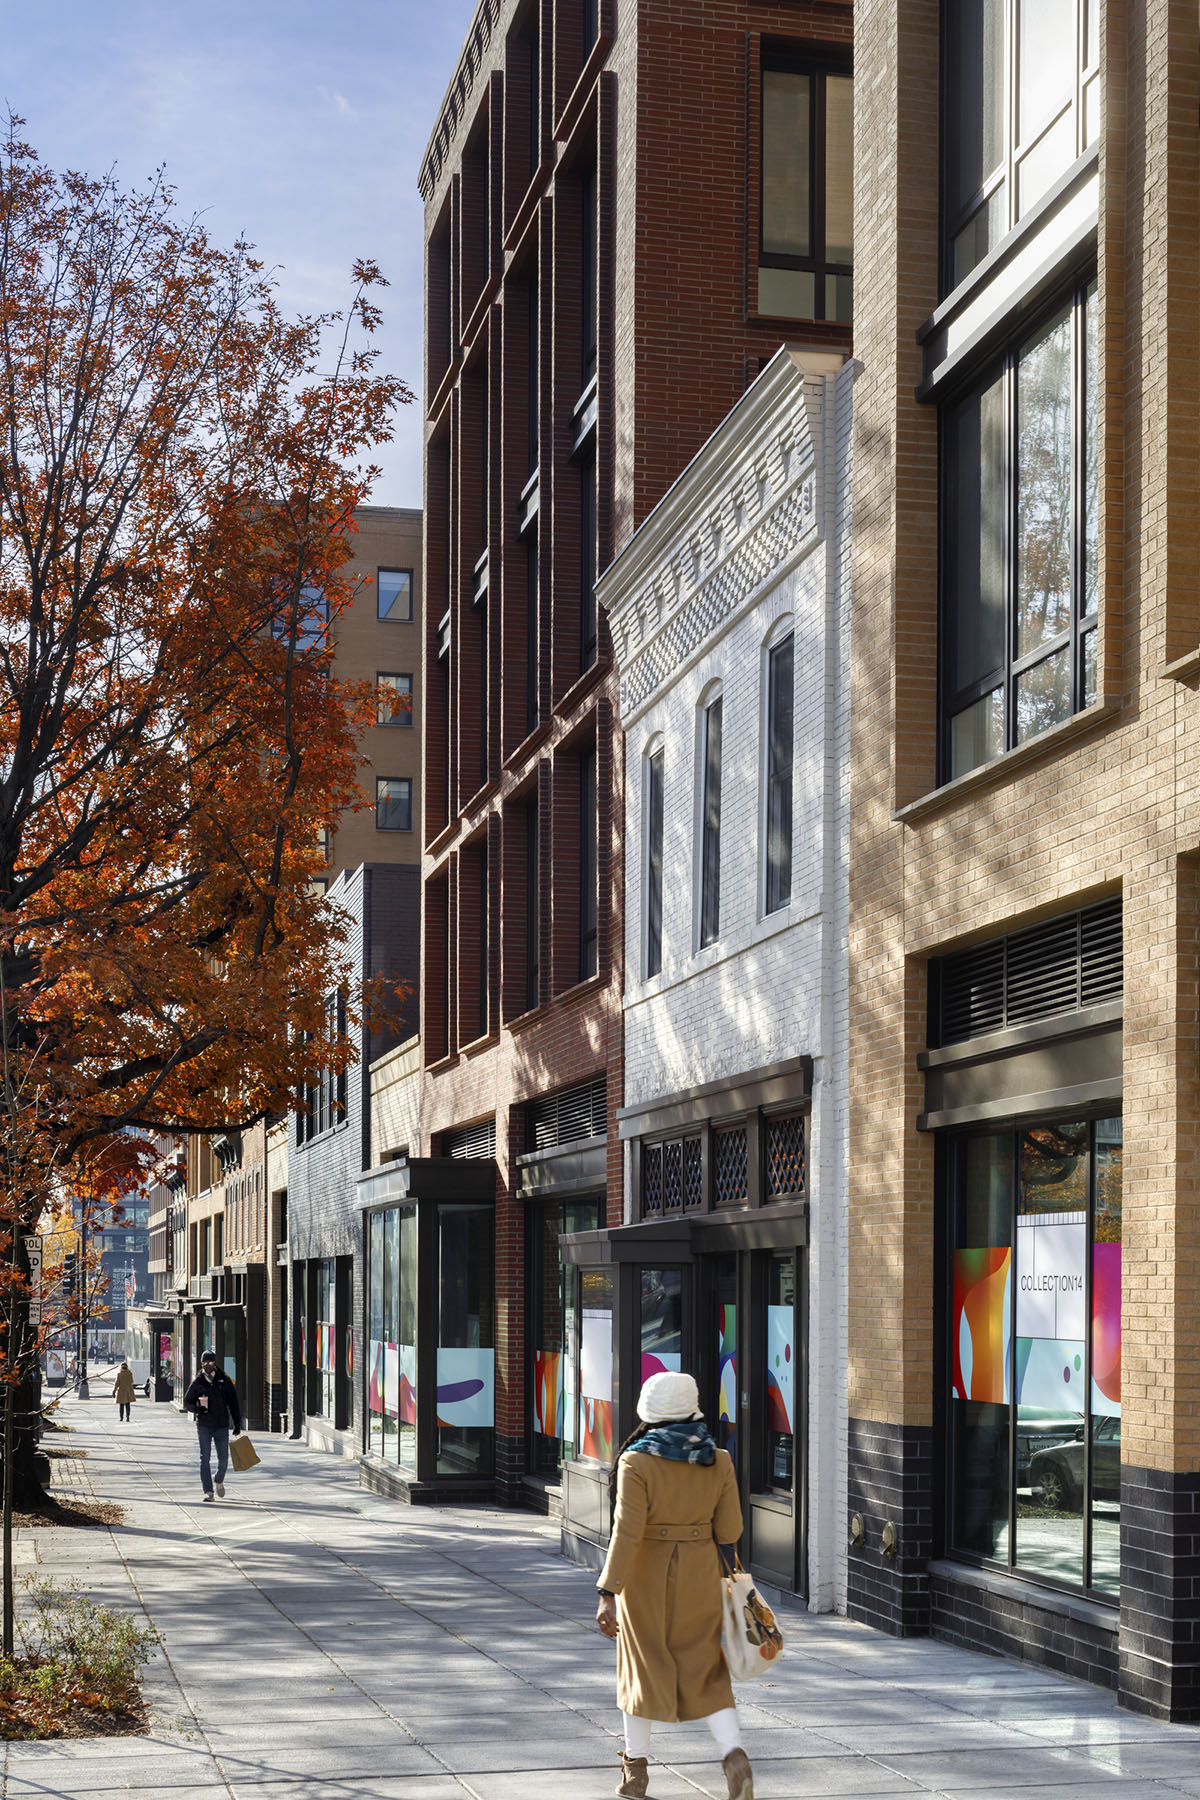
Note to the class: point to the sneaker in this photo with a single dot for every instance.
(221, 1489)
(206, 1497)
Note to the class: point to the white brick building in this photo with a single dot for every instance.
(730, 617)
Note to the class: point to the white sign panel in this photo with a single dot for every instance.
(1051, 1286)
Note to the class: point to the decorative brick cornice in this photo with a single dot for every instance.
(696, 561)
(455, 106)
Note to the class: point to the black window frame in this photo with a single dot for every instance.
(816, 263)
(533, 924)
(533, 707)
(589, 865)
(1000, 184)
(1073, 299)
(780, 756)
(392, 721)
(709, 908)
(654, 792)
(382, 781)
(589, 624)
(391, 617)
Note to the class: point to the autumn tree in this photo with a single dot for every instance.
(179, 468)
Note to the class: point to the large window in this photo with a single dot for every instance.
(323, 1398)
(466, 1335)
(1022, 101)
(654, 861)
(710, 822)
(393, 803)
(780, 696)
(393, 701)
(588, 870)
(806, 224)
(553, 1289)
(395, 594)
(1019, 581)
(1035, 1350)
(392, 1336)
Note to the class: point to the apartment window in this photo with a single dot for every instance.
(780, 700)
(531, 633)
(588, 275)
(532, 384)
(484, 923)
(395, 593)
(1021, 81)
(587, 563)
(589, 14)
(654, 861)
(1032, 1303)
(484, 695)
(1020, 497)
(710, 821)
(587, 864)
(806, 224)
(532, 917)
(311, 618)
(393, 699)
(393, 803)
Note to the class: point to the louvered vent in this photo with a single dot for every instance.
(1056, 967)
(471, 1141)
(564, 1118)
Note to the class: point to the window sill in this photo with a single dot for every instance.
(584, 683)
(1000, 768)
(1027, 1592)
(1184, 668)
(486, 1041)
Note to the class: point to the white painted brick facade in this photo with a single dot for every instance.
(755, 534)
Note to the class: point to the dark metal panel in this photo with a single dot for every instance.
(775, 1085)
(1051, 1076)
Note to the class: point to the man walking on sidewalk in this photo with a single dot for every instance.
(212, 1398)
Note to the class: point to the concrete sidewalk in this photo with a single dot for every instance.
(324, 1644)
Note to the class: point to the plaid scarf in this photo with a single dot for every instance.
(680, 1440)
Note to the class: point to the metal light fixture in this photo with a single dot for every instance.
(889, 1539)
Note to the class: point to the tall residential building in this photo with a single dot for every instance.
(1024, 1348)
(625, 215)
(234, 1285)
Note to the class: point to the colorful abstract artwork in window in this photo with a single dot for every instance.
(982, 1312)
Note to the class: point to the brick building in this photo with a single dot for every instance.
(1024, 895)
(234, 1282)
(735, 709)
(618, 236)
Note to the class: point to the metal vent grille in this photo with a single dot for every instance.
(1055, 967)
(578, 1112)
(652, 1179)
(785, 1155)
(470, 1141)
(693, 1173)
(729, 1167)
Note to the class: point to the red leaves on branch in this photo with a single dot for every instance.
(178, 480)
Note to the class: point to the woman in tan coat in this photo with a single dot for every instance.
(123, 1389)
(676, 1501)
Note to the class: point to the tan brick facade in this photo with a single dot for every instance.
(1105, 804)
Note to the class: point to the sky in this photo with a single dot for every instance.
(300, 126)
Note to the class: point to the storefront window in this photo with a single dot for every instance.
(596, 1365)
(727, 1368)
(780, 1435)
(465, 1356)
(1035, 1320)
(326, 1340)
(392, 1353)
(662, 1321)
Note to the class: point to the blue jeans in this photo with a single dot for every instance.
(210, 1435)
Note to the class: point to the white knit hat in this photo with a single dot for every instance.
(669, 1396)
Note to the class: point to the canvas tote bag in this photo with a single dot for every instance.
(750, 1637)
(242, 1454)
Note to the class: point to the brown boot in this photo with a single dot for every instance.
(738, 1774)
(635, 1776)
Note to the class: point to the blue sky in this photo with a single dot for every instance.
(300, 125)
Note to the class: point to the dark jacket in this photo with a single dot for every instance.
(223, 1409)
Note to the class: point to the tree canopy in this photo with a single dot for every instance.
(179, 470)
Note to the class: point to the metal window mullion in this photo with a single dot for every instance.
(816, 188)
(1078, 478)
(1012, 1339)
(1011, 115)
(1008, 548)
(1089, 1235)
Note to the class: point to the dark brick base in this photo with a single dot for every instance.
(510, 1470)
(984, 1610)
(891, 1482)
(1160, 1593)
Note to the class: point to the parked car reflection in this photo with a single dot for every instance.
(1058, 1469)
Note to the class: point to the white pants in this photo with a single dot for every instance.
(723, 1725)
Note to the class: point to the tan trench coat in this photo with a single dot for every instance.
(663, 1564)
(123, 1387)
